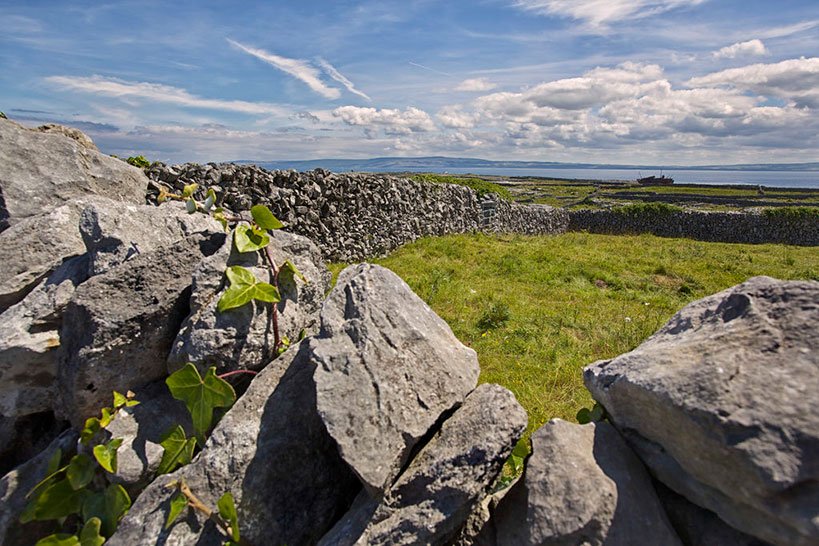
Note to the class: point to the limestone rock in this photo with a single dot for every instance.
(243, 337)
(43, 170)
(115, 232)
(433, 497)
(118, 327)
(717, 404)
(29, 338)
(14, 487)
(142, 428)
(582, 485)
(33, 248)
(70, 132)
(272, 452)
(387, 369)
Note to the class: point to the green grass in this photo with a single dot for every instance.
(482, 187)
(539, 309)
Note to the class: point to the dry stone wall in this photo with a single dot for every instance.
(726, 227)
(352, 216)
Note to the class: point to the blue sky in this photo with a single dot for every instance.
(615, 81)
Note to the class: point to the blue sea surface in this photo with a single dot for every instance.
(780, 179)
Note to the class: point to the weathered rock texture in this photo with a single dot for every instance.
(354, 216)
(716, 404)
(451, 474)
(243, 337)
(118, 327)
(387, 368)
(42, 170)
(272, 452)
(728, 227)
(582, 485)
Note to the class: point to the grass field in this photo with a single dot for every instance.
(539, 309)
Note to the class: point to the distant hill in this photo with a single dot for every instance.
(439, 164)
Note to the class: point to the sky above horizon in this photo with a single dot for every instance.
(671, 82)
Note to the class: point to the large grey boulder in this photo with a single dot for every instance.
(115, 232)
(29, 338)
(718, 405)
(272, 453)
(15, 486)
(118, 327)
(582, 485)
(387, 369)
(33, 248)
(42, 170)
(442, 485)
(243, 337)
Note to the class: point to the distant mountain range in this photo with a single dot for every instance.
(440, 164)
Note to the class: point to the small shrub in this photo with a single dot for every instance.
(496, 316)
(138, 161)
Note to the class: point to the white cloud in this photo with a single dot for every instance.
(392, 121)
(154, 92)
(475, 85)
(599, 13)
(454, 118)
(340, 78)
(794, 80)
(299, 69)
(742, 49)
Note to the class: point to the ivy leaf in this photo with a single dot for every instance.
(59, 500)
(119, 400)
(80, 471)
(106, 454)
(227, 509)
(264, 218)
(90, 534)
(188, 190)
(290, 271)
(583, 416)
(248, 239)
(244, 287)
(61, 539)
(200, 395)
(109, 506)
(178, 504)
(191, 205)
(597, 412)
(91, 428)
(178, 450)
(219, 216)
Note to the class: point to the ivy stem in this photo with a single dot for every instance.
(274, 271)
(196, 504)
(237, 372)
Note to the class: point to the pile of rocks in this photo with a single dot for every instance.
(372, 429)
(357, 216)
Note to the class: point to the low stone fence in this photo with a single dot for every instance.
(355, 216)
(727, 227)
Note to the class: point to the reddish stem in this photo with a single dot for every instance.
(237, 372)
(277, 342)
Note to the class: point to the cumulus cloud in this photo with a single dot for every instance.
(299, 69)
(795, 80)
(599, 13)
(392, 121)
(475, 85)
(154, 92)
(742, 49)
(340, 78)
(454, 118)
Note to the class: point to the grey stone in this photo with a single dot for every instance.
(119, 326)
(582, 485)
(14, 487)
(387, 369)
(115, 232)
(272, 453)
(716, 404)
(699, 527)
(43, 170)
(29, 338)
(33, 248)
(243, 337)
(70, 132)
(448, 478)
(142, 429)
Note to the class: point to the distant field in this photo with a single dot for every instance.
(538, 309)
